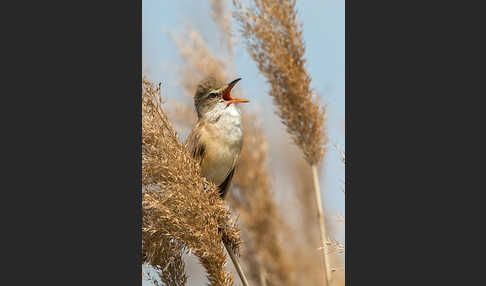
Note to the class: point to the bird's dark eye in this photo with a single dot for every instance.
(213, 94)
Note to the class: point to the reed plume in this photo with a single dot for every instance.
(181, 211)
(274, 40)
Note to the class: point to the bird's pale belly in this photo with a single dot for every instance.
(218, 161)
(222, 150)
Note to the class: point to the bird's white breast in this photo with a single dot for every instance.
(227, 120)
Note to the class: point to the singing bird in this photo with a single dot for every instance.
(216, 140)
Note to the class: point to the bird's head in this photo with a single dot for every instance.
(211, 92)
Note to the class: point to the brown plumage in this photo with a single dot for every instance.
(216, 140)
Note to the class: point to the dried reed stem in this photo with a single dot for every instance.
(308, 259)
(263, 279)
(320, 215)
(236, 264)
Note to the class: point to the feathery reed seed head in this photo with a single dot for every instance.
(273, 38)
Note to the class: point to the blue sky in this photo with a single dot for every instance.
(324, 35)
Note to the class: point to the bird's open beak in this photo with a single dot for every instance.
(227, 93)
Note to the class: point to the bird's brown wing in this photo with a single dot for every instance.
(224, 187)
(194, 145)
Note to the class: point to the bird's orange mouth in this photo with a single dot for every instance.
(227, 93)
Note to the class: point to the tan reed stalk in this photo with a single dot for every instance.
(263, 280)
(320, 215)
(273, 38)
(181, 211)
(308, 258)
(237, 265)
